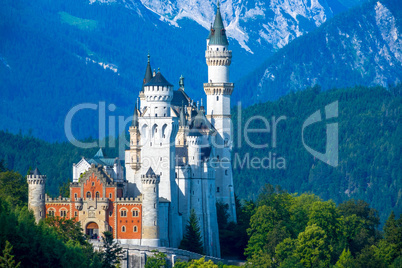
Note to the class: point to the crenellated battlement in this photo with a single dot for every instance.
(137, 199)
(57, 200)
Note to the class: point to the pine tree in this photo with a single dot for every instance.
(112, 252)
(192, 240)
(7, 260)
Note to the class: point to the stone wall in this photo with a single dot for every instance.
(136, 256)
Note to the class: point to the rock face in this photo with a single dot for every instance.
(254, 24)
(362, 46)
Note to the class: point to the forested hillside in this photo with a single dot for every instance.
(369, 147)
(362, 46)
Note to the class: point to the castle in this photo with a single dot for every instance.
(179, 160)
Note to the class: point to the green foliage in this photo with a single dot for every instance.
(370, 173)
(192, 240)
(39, 245)
(13, 188)
(345, 260)
(64, 190)
(393, 231)
(233, 236)
(112, 253)
(158, 260)
(312, 247)
(7, 260)
(67, 230)
(315, 233)
(200, 263)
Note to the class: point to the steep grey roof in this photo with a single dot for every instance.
(158, 80)
(180, 98)
(217, 34)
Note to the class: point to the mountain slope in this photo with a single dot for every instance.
(369, 146)
(362, 46)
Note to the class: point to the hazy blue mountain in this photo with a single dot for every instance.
(57, 54)
(360, 47)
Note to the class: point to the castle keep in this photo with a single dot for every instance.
(178, 160)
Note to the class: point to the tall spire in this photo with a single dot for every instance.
(135, 117)
(217, 34)
(183, 122)
(148, 73)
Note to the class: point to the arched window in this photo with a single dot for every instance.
(88, 194)
(110, 196)
(226, 172)
(123, 229)
(217, 98)
(123, 212)
(164, 131)
(75, 196)
(154, 129)
(135, 229)
(97, 195)
(51, 212)
(144, 131)
(110, 213)
(93, 183)
(135, 212)
(63, 213)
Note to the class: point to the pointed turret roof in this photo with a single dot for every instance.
(158, 80)
(135, 117)
(36, 172)
(99, 154)
(148, 73)
(217, 34)
(150, 172)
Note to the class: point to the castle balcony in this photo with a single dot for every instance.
(218, 88)
(218, 54)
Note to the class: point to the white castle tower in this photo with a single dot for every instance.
(150, 202)
(158, 129)
(218, 91)
(36, 190)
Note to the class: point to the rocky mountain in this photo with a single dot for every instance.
(253, 24)
(55, 55)
(362, 46)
